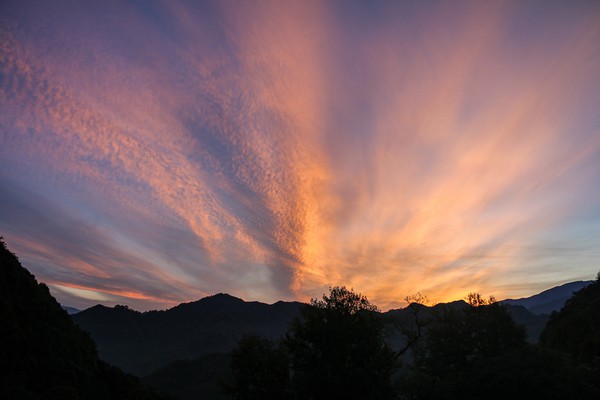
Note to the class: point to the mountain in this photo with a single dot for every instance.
(549, 300)
(140, 343)
(518, 368)
(71, 310)
(43, 354)
(534, 324)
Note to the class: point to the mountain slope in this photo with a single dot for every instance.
(143, 342)
(534, 324)
(71, 310)
(43, 354)
(549, 300)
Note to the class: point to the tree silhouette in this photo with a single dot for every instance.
(260, 370)
(337, 350)
(411, 326)
(458, 337)
(575, 329)
(475, 350)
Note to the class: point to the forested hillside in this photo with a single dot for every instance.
(43, 354)
(141, 343)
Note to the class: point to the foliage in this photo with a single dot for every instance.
(476, 350)
(459, 337)
(43, 354)
(528, 372)
(185, 379)
(260, 370)
(333, 350)
(575, 329)
(337, 349)
(462, 350)
(410, 325)
(476, 300)
(344, 302)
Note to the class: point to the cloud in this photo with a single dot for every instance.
(169, 150)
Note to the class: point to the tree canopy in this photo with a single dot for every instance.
(260, 370)
(337, 349)
(575, 329)
(333, 350)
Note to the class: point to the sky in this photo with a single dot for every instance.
(157, 152)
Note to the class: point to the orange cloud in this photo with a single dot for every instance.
(271, 150)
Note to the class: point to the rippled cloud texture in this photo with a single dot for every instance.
(156, 152)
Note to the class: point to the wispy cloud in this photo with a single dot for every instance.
(165, 151)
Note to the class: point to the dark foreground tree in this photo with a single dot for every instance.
(476, 350)
(459, 341)
(260, 370)
(337, 350)
(481, 329)
(575, 330)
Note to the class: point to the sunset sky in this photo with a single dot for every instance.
(153, 153)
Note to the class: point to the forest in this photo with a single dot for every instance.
(336, 350)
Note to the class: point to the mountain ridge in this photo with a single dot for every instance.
(553, 297)
(141, 342)
(549, 300)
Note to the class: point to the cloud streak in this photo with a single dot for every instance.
(166, 151)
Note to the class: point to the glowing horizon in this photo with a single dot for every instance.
(155, 153)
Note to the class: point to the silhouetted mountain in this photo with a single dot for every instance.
(178, 347)
(43, 354)
(71, 310)
(549, 300)
(534, 324)
(406, 319)
(140, 343)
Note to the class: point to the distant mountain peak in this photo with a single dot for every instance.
(214, 300)
(549, 300)
(141, 342)
(224, 297)
(71, 310)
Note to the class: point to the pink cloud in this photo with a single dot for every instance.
(283, 148)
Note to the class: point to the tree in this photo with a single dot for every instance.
(481, 329)
(411, 325)
(337, 350)
(477, 300)
(260, 370)
(575, 329)
(463, 343)
(474, 350)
